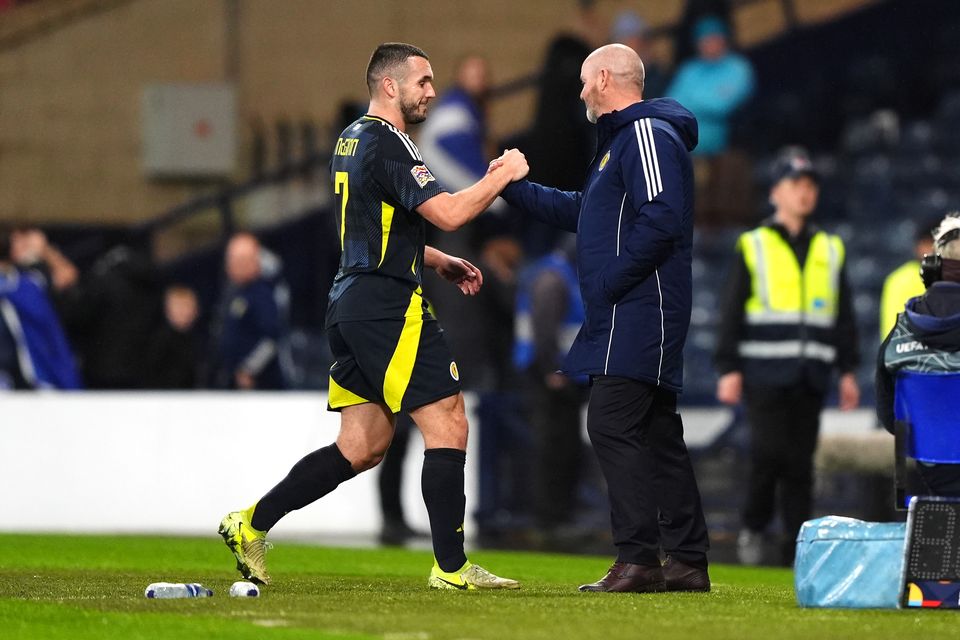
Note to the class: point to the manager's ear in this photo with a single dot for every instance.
(604, 78)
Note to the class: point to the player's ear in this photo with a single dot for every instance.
(389, 86)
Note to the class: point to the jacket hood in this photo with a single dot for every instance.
(934, 317)
(680, 118)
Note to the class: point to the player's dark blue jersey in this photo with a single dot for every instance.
(379, 180)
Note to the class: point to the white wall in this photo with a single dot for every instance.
(177, 462)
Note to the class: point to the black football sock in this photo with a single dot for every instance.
(442, 484)
(316, 475)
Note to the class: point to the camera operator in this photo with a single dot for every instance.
(926, 339)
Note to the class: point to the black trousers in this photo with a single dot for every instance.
(654, 500)
(555, 420)
(784, 424)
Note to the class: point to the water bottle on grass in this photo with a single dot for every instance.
(177, 590)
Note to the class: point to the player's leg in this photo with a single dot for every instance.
(366, 426)
(365, 433)
(443, 424)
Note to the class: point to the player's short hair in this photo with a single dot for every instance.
(387, 59)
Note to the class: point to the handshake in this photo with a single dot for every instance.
(513, 162)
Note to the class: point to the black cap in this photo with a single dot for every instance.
(794, 163)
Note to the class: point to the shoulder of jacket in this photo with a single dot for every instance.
(641, 133)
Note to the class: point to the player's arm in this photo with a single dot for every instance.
(453, 269)
(450, 211)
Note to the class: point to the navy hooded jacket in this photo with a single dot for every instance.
(634, 225)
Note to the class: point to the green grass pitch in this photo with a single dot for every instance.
(82, 587)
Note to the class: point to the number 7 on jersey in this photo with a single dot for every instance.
(341, 187)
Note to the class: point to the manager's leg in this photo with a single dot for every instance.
(618, 418)
(683, 530)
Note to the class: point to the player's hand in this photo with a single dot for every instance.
(515, 164)
(461, 273)
(495, 164)
(849, 392)
(730, 388)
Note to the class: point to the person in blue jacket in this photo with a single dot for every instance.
(713, 85)
(251, 328)
(634, 225)
(34, 353)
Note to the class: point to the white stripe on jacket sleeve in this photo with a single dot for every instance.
(648, 157)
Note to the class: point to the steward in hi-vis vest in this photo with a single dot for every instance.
(786, 321)
(791, 312)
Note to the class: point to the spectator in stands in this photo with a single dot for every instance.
(250, 329)
(783, 329)
(34, 353)
(549, 315)
(714, 85)
(110, 314)
(560, 142)
(632, 30)
(174, 352)
(30, 250)
(926, 338)
(454, 138)
(904, 282)
(480, 335)
(505, 442)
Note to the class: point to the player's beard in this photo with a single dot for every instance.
(411, 110)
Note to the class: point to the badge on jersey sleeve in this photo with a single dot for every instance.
(422, 175)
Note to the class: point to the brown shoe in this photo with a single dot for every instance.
(683, 577)
(627, 577)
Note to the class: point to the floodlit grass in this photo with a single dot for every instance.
(82, 587)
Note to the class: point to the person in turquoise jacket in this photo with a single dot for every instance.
(713, 86)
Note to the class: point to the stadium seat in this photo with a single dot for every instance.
(925, 409)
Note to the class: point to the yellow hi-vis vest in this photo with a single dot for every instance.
(901, 285)
(790, 314)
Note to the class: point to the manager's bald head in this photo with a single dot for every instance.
(612, 79)
(623, 64)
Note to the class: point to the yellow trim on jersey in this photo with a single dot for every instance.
(339, 397)
(400, 369)
(386, 219)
